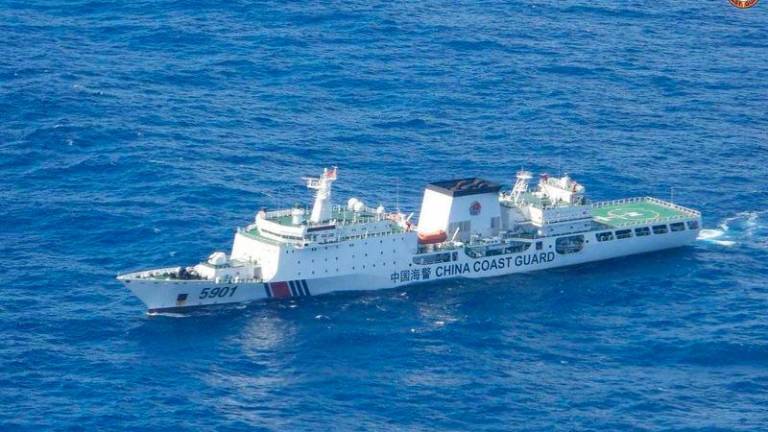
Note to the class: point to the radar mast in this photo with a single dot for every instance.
(321, 210)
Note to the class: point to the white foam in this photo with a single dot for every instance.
(746, 227)
(712, 236)
(167, 314)
(709, 234)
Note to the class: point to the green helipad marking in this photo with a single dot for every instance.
(634, 212)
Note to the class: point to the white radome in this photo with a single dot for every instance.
(352, 203)
(218, 258)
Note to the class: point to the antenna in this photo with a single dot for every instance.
(455, 233)
(672, 194)
(397, 195)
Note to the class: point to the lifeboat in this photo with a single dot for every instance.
(432, 237)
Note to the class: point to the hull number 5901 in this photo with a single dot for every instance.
(218, 292)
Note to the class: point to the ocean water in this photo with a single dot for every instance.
(139, 134)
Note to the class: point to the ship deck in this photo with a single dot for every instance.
(339, 215)
(638, 212)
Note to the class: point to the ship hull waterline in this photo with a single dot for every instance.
(162, 296)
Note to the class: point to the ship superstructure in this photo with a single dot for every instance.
(466, 228)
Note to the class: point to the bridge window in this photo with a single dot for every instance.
(570, 244)
(644, 231)
(623, 234)
(285, 236)
(604, 236)
(660, 229)
(692, 225)
(677, 226)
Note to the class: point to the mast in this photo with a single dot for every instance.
(521, 184)
(321, 210)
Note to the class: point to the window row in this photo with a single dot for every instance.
(646, 231)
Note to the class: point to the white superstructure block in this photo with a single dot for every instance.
(435, 212)
(562, 190)
(470, 206)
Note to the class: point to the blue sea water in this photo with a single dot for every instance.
(139, 134)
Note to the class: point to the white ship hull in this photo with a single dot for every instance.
(173, 295)
(467, 228)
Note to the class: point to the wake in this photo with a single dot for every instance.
(167, 314)
(749, 228)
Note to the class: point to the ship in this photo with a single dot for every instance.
(467, 228)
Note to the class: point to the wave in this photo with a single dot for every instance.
(748, 228)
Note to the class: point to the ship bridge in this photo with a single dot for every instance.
(282, 226)
(325, 222)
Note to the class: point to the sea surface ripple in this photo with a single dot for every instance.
(139, 134)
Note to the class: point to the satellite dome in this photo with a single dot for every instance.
(352, 203)
(217, 258)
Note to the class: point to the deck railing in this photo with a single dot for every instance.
(278, 213)
(680, 208)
